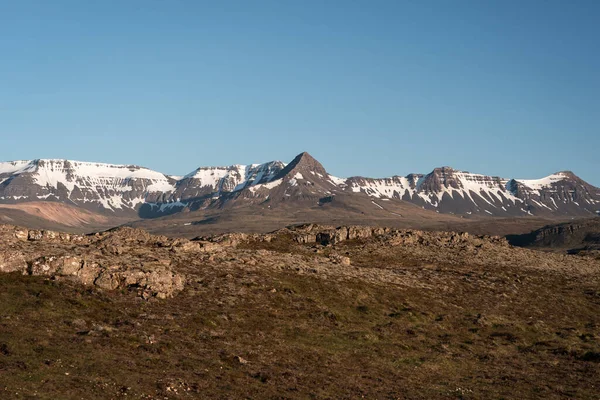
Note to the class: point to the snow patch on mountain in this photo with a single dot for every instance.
(539, 184)
(15, 167)
(270, 185)
(393, 187)
(209, 176)
(438, 188)
(235, 177)
(337, 181)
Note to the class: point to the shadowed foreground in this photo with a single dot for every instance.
(310, 312)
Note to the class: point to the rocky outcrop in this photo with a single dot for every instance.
(575, 235)
(117, 259)
(149, 280)
(326, 236)
(155, 266)
(311, 233)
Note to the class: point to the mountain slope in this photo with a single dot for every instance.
(55, 216)
(303, 180)
(450, 191)
(264, 216)
(94, 186)
(133, 192)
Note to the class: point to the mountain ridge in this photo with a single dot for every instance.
(137, 191)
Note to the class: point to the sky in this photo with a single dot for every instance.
(374, 88)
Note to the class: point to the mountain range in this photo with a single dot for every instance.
(131, 192)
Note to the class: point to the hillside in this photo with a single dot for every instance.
(306, 312)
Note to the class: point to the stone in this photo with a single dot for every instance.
(79, 324)
(70, 265)
(195, 247)
(21, 234)
(359, 232)
(88, 273)
(49, 235)
(65, 237)
(240, 360)
(46, 266)
(343, 260)
(107, 280)
(304, 238)
(12, 261)
(34, 235)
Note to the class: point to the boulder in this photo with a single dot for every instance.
(12, 260)
(56, 265)
(304, 238)
(34, 235)
(107, 280)
(332, 237)
(45, 266)
(195, 247)
(21, 234)
(88, 272)
(152, 280)
(359, 232)
(343, 260)
(70, 265)
(49, 235)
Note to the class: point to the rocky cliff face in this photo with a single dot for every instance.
(216, 181)
(450, 191)
(572, 236)
(95, 186)
(563, 193)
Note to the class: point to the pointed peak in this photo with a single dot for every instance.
(303, 162)
(304, 157)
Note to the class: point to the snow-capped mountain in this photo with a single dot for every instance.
(135, 191)
(92, 185)
(450, 191)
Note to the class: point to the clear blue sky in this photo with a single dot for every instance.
(377, 88)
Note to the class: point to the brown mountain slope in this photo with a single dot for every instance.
(56, 216)
(332, 210)
(268, 216)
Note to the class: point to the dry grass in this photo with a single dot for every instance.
(416, 330)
